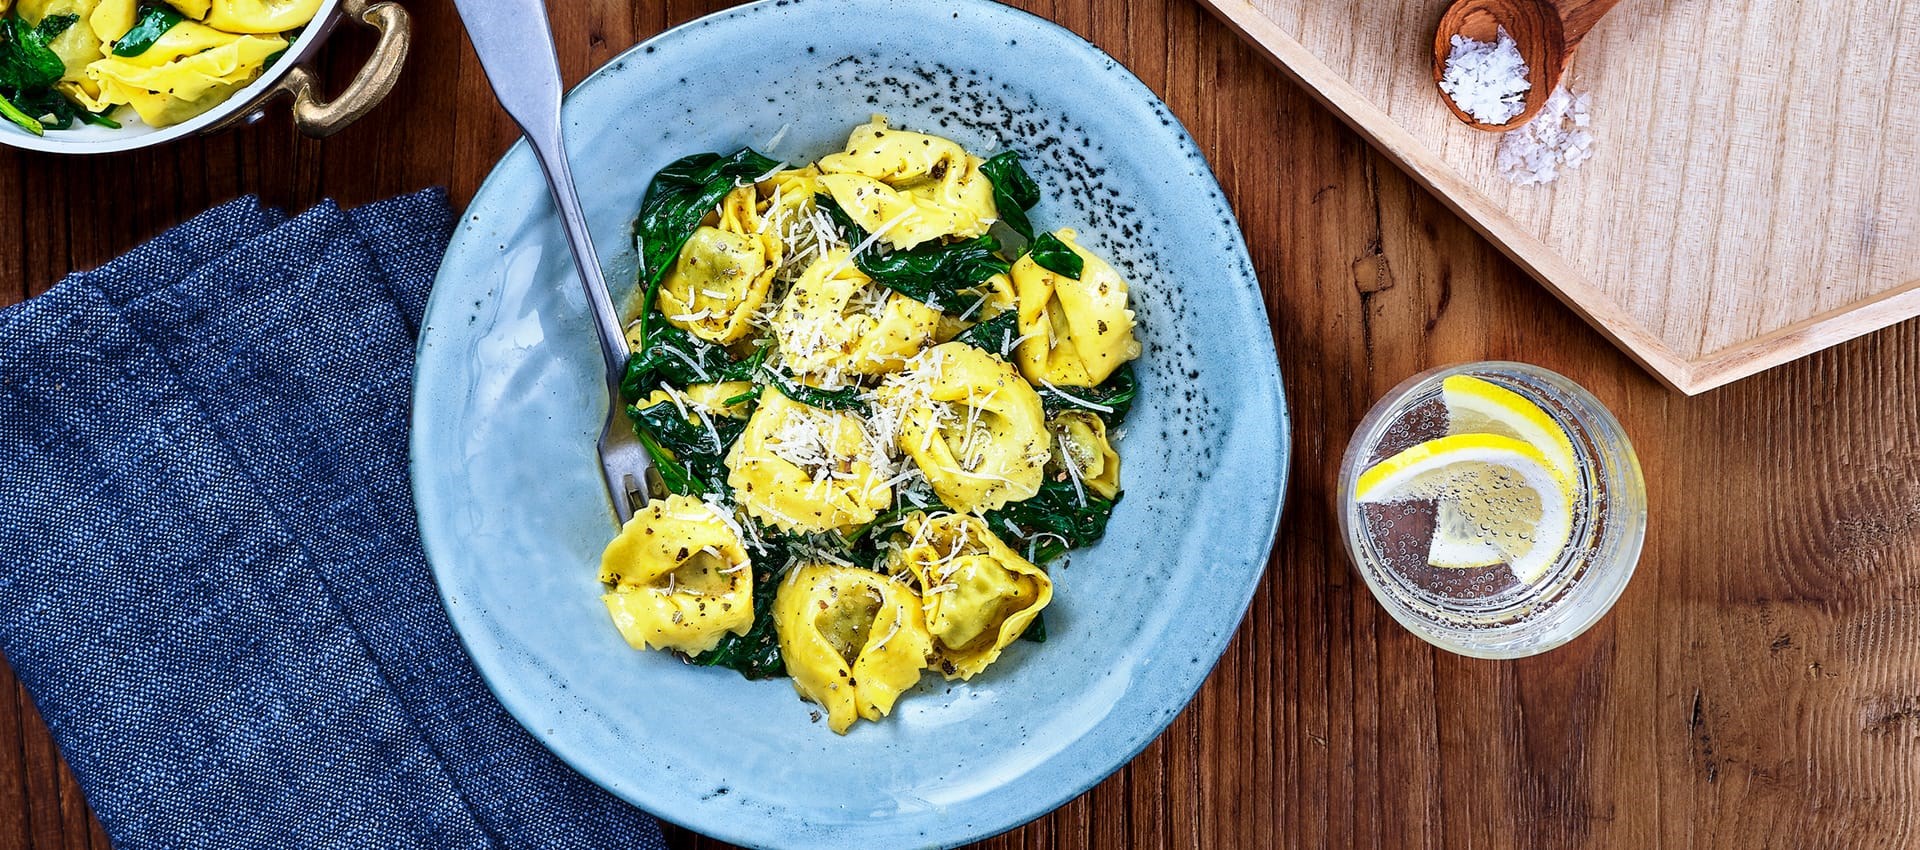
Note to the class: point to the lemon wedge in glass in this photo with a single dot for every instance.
(1508, 492)
(1477, 406)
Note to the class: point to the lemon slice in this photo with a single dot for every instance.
(1508, 491)
(1457, 544)
(1477, 406)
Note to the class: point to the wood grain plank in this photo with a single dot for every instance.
(1758, 684)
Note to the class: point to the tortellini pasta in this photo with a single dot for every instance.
(1075, 332)
(219, 46)
(680, 577)
(1082, 452)
(977, 594)
(187, 71)
(804, 469)
(836, 322)
(723, 272)
(909, 187)
(974, 427)
(255, 16)
(853, 640)
(897, 474)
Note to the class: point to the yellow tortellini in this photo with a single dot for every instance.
(1081, 451)
(723, 272)
(891, 511)
(191, 68)
(1075, 332)
(680, 575)
(800, 468)
(977, 594)
(836, 322)
(909, 187)
(853, 640)
(255, 16)
(974, 427)
(714, 398)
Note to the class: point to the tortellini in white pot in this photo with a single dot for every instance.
(836, 322)
(909, 187)
(1075, 332)
(188, 70)
(800, 468)
(680, 575)
(974, 427)
(723, 272)
(1081, 451)
(197, 63)
(977, 594)
(853, 640)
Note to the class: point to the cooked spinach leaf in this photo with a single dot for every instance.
(1116, 394)
(691, 459)
(678, 198)
(1054, 256)
(154, 21)
(676, 356)
(28, 70)
(1014, 191)
(1056, 519)
(844, 398)
(996, 334)
(756, 654)
(1036, 630)
(934, 274)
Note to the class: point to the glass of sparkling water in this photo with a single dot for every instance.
(1490, 611)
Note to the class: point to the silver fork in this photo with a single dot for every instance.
(515, 44)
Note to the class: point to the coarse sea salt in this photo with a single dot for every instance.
(1555, 139)
(1487, 80)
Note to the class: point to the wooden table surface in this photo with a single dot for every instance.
(1757, 686)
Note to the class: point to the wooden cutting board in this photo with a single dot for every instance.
(1754, 194)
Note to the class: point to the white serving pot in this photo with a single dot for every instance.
(312, 113)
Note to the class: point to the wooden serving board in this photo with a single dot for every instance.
(1754, 194)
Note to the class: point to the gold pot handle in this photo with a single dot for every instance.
(320, 118)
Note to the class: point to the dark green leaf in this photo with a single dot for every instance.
(154, 21)
(1054, 256)
(1014, 191)
(844, 398)
(693, 463)
(678, 198)
(745, 370)
(676, 477)
(28, 70)
(996, 334)
(27, 64)
(934, 274)
(1036, 630)
(1116, 394)
(756, 654)
(1058, 518)
(675, 356)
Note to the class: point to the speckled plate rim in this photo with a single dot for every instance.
(1186, 680)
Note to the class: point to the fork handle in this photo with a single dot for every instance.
(515, 43)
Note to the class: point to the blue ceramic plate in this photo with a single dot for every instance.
(509, 400)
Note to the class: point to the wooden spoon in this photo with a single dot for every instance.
(1545, 31)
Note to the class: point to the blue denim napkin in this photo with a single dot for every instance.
(210, 577)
